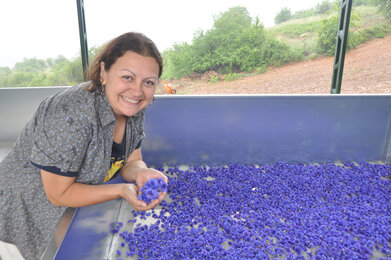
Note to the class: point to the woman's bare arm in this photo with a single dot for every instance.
(64, 191)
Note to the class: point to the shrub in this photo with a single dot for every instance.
(328, 35)
(234, 44)
(275, 52)
(384, 7)
(304, 14)
(370, 33)
(323, 7)
(283, 15)
(178, 61)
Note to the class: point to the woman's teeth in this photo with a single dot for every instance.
(133, 101)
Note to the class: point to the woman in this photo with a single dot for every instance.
(78, 139)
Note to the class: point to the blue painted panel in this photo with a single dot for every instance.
(263, 129)
(89, 235)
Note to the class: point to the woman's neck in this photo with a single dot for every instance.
(119, 129)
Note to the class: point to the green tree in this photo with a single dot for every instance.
(235, 43)
(227, 36)
(65, 73)
(364, 2)
(384, 7)
(327, 34)
(303, 13)
(283, 15)
(178, 61)
(31, 65)
(228, 46)
(4, 74)
(323, 7)
(20, 79)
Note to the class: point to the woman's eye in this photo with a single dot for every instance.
(150, 83)
(127, 77)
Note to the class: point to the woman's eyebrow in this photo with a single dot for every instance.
(134, 74)
(128, 70)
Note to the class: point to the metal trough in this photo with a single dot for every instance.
(216, 130)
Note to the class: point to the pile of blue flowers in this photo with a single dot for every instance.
(282, 210)
(150, 190)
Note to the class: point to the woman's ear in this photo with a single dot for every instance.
(102, 73)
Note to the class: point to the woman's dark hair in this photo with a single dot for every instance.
(135, 42)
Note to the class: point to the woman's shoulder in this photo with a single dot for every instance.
(75, 101)
(76, 95)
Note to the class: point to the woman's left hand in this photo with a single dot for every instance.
(130, 194)
(145, 174)
(141, 175)
(136, 171)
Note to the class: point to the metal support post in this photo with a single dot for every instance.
(342, 36)
(83, 36)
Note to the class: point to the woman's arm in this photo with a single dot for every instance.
(64, 191)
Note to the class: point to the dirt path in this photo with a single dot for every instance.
(367, 70)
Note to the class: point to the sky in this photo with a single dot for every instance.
(46, 29)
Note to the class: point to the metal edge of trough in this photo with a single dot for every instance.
(387, 147)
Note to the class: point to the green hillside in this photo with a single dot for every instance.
(366, 24)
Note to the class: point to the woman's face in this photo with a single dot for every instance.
(130, 83)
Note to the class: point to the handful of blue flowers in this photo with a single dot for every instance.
(150, 191)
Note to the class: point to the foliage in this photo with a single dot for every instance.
(303, 14)
(323, 7)
(370, 33)
(276, 53)
(178, 61)
(4, 74)
(235, 43)
(384, 7)
(35, 72)
(229, 45)
(283, 15)
(295, 28)
(364, 2)
(231, 76)
(328, 35)
(328, 32)
(214, 79)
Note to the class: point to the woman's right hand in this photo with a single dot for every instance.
(130, 194)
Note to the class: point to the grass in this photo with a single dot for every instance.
(366, 22)
(297, 28)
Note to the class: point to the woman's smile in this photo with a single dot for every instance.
(130, 100)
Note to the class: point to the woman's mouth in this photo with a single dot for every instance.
(130, 100)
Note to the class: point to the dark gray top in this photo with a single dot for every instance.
(71, 131)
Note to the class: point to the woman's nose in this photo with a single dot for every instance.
(137, 87)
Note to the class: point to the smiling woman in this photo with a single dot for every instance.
(130, 83)
(78, 139)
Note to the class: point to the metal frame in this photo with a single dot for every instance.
(83, 36)
(342, 36)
